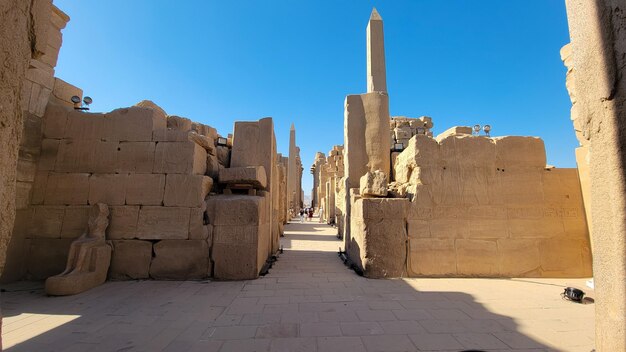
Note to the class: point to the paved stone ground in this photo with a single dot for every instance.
(308, 302)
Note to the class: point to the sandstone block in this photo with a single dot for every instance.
(70, 189)
(476, 257)
(454, 131)
(26, 170)
(54, 121)
(565, 257)
(38, 191)
(123, 222)
(518, 258)
(86, 156)
(180, 158)
(108, 189)
(519, 152)
(135, 157)
(186, 190)
(31, 134)
(75, 221)
(179, 123)
(145, 189)
(418, 229)
(47, 222)
(251, 175)
(223, 155)
(203, 141)
(151, 105)
(197, 227)
(136, 124)
(374, 184)
(402, 132)
(130, 260)
(180, 260)
(156, 223)
(89, 126)
(384, 208)
(432, 257)
(48, 156)
(64, 91)
(233, 261)
(234, 210)
(212, 166)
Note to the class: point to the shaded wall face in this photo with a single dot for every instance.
(598, 57)
(489, 207)
(30, 43)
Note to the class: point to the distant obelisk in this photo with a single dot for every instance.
(376, 74)
(292, 173)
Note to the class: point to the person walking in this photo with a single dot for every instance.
(301, 215)
(321, 213)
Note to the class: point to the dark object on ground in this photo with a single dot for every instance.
(573, 294)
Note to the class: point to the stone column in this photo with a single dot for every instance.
(598, 37)
(292, 172)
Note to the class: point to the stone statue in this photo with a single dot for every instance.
(88, 260)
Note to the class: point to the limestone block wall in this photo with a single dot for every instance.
(402, 128)
(489, 207)
(149, 168)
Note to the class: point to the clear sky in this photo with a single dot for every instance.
(461, 62)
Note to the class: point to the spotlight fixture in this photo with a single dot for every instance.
(487, 129)
(221, 141)
(477, 129)
(398, 147)
(85, 103)
(421, 130)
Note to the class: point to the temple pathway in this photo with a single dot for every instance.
(308, 302)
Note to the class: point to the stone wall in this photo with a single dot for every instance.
(151, 169)
(489, 207)
(30, 38)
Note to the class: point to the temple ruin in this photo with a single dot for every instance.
(137, 193)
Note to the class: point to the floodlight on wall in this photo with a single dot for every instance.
(487, 129)
(421, 130)
(221, 141)
(398, 147)
(85, 103)
(476, 129)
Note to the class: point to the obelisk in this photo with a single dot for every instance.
(292, 172)
(376, 74)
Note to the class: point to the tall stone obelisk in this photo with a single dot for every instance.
(293, 192)
(376, 72)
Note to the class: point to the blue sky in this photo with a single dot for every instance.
(461, 62)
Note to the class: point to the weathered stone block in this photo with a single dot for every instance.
(186, 190)
(70, 189)
(518, 258)
(252, 175)
(47, 222)
(179, 123)
(123, 222)
(223, 155)
(418, 229)
(48, 156)
(145, 189)
(135, 157)
(432, 257)
(130, 260)
(212, 166)
(197, 227)
(64, 92)
(180, 158)
(108, 189)
(136, 124)
(180, 260)
(565, 257)
(233, 261)
(384, 208)
(75, 221)
(86, 156)
(31, 134)
(519, 152)
(234, 210)
(88, 126)
(476, 257)
(156, 223)
(402, 132)
(373, 184)
(454, 131)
